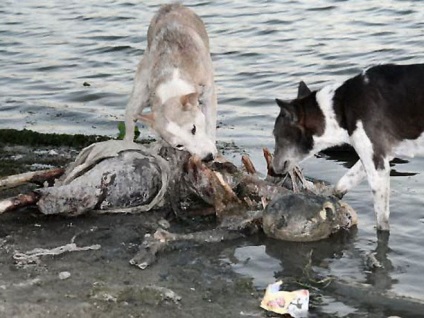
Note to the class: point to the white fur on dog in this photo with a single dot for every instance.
(377, 179)
(200, 143)
(389, 93)
(175, 86)
(176, 63)
(333, 133)
(352, 178)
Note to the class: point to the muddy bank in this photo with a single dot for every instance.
(102, 283)
(191, 281)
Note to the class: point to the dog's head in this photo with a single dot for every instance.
(299, 120)
(182, 124)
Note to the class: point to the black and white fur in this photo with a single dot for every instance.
(380, 112)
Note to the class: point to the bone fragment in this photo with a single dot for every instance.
(21, 200)
(34, 255)
(34, 176)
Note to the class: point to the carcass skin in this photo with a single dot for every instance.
(305, 217)
(308, 215)
(114, 176)
(125, 177)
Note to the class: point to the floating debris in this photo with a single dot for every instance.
(295, 303)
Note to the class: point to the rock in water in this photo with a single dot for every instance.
(306, 217)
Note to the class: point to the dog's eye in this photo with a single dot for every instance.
(193, 130)
(179, 147)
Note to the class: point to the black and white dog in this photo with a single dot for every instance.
(380, 112)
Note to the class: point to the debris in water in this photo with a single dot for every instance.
(295, 303)
(64, 275)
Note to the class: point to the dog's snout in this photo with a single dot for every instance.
(208, 158)
(280, 167)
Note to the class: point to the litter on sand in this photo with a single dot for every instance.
(295, 303)
(33, 256)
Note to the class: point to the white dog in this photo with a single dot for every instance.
(175, 79)
(380, 112)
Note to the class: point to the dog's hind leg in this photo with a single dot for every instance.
(379, 180)
(351, 179)
(378, 174)
(139, 98)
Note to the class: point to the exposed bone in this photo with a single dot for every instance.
(34, 255)
(294, 177)
(248, 164)
(163, 240)
(17, 202)
(215, 184)
(38, 177)
(268, 159)
(237, 198)
(211, 187)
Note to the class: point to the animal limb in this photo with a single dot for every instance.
(378, 178)
(34, 255)
(248, 164)
(19, 201)
(351, 179)
(35, 177)
(163, 240)
(297, 180)
(139, 98)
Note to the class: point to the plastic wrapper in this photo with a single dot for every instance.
(294, 303)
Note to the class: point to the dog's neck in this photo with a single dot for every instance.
(333, 134)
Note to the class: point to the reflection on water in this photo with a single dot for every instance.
(253, 261)
(260, 50)
(366, 281)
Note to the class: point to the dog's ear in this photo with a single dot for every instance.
(287, 110)
(189, 101)
(147, 118)
(282, 103)
(303, 90)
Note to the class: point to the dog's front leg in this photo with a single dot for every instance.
(351, 179)
(208, 101)
(139, 98)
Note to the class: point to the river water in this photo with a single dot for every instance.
(260, 50)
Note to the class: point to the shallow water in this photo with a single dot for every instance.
(260, 50)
